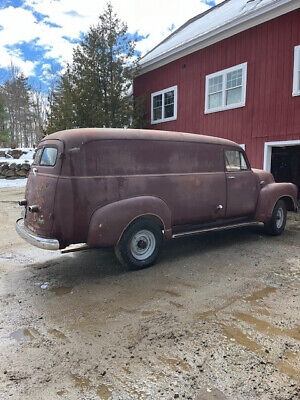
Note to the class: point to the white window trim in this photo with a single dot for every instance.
(296, 89)
(158, 121)
(243, 146)
(223, 73)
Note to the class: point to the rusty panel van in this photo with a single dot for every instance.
(132, 189)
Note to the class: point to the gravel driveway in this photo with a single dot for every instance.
(216, 318)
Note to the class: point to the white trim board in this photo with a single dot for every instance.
(268, 151)
(254, 18)
(296, 84)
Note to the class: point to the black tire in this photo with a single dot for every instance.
(140, 244)
(277, 223)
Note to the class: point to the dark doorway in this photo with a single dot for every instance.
(285, 164)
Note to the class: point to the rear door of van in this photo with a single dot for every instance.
(41, 187)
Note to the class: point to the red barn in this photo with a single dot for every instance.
(233, 72)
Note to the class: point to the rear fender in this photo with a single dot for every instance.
(270, 194)
(109, 222)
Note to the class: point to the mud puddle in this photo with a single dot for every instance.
(23, 335)
(61, 290)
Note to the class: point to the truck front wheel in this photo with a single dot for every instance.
(140, 244)
(278, 220)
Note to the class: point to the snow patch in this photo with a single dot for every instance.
(12, 183)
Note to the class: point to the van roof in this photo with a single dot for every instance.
(79, 136)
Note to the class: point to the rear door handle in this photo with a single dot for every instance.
(231, 177)
(34, 170)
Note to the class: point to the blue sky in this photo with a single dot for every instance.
(39, 35)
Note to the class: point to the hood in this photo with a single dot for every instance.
(265, 176)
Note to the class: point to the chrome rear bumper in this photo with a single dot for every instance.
(42, 243)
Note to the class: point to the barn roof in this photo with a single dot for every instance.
(221, 21)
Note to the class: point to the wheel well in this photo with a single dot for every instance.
(288, 202)
(149, 217)
(145, 217)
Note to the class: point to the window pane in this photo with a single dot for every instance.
(49, 156)
(157, 101)
(157, 107)
(37, 157)
(233, 162)
(215, 100)
(169, 111)
(169, 97)
(215, 84)
(234, 79)
(157, 113)
(234, 96)
(243, 162)
(169, 104)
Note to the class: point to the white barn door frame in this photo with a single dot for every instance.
(268, 151)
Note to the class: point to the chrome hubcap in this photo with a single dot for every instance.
(142, 245)
(279, 218)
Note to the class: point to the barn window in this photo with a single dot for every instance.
(226, 89)
(296, 85)
(164, 105)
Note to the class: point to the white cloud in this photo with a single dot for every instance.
(151, 18)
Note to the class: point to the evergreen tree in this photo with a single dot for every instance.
(3, 123)
(61, 115)
(96, 92)
(22, 111)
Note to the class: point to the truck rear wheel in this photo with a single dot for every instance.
(140, 244)
(278, 220)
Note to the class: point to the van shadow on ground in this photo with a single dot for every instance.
(99, 264)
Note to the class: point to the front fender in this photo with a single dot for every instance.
(109, 222)
(270, 194)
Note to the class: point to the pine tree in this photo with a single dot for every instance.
(97, 92)
(61, 114)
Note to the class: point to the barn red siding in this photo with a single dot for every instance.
(271, 112)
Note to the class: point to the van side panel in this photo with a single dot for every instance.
(188, 177)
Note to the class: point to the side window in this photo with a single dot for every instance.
(164, 105)
(48, 158)
(37, 157)
(235, 161)
(226, 89)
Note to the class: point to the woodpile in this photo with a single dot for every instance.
(14, 170)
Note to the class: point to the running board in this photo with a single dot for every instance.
(216, 228)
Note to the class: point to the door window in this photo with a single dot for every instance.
(49, 157)
(235, 161)
(37, 156)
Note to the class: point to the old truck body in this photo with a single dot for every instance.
(98, 186)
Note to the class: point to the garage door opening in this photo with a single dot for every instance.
(282, 159)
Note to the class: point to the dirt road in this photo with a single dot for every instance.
(216, 318)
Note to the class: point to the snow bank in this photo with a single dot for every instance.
(12, 183)
(26, 155)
